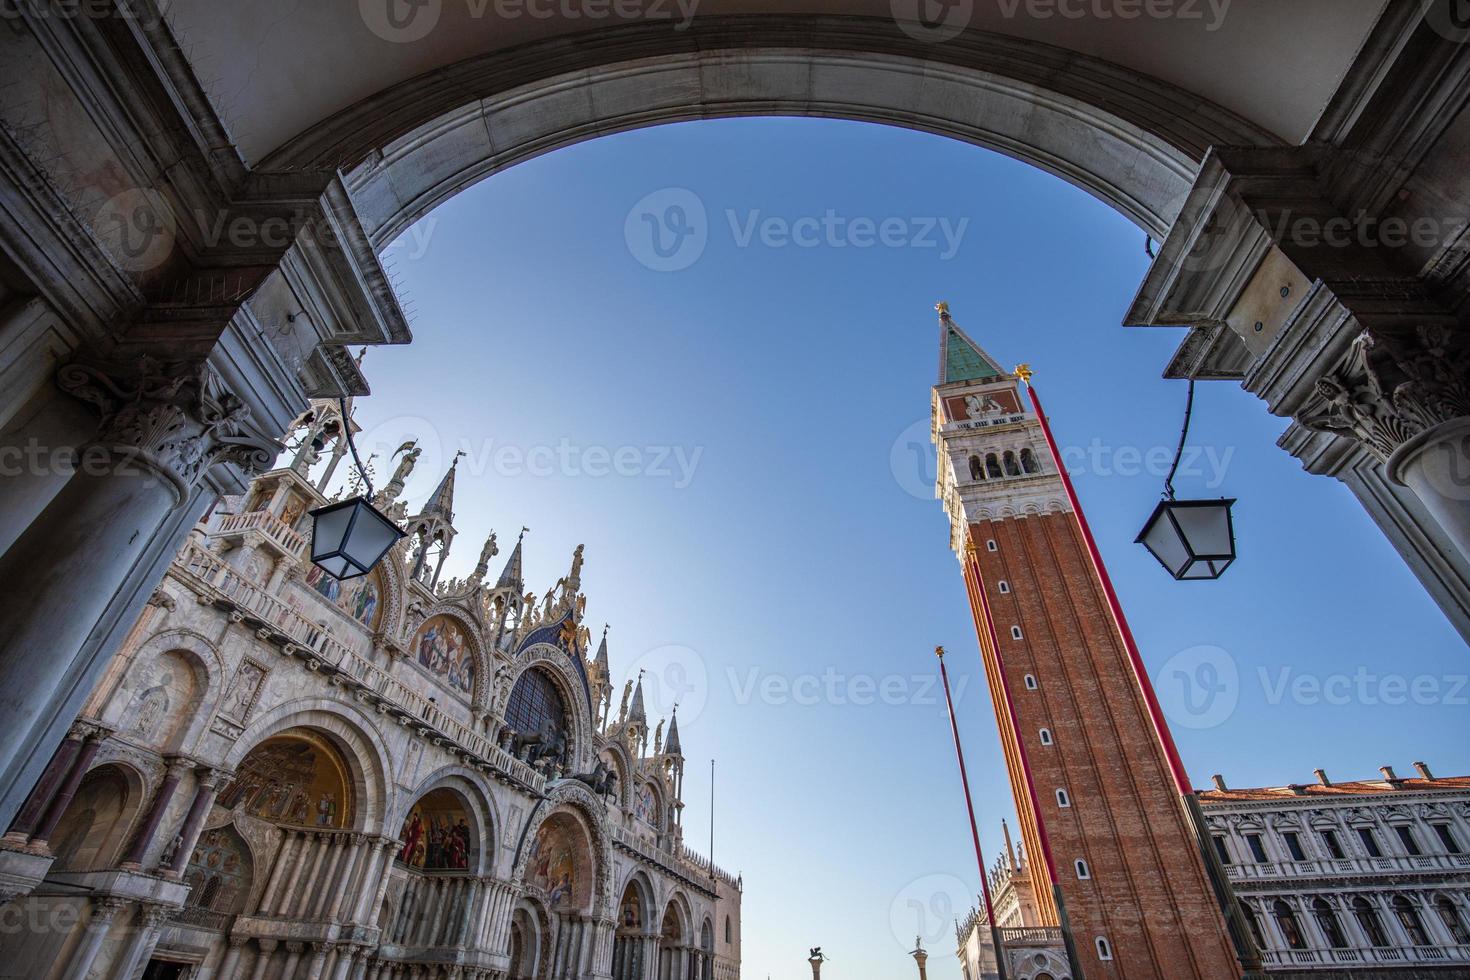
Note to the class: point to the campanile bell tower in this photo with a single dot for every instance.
(1092, 770)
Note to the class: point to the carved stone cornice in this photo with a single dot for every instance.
(1391, 388)
(175, 420)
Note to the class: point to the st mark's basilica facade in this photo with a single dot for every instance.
(396, 776)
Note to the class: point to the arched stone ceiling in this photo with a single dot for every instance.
(274, 68)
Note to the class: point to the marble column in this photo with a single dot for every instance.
(138, 849)
(263, 958)
(188, 836)
(289, 840)
(145, 935)
(318, 960)
(355, 850)
(68, 788)
(94, 934)
(293, 959)
(320, 888)
(56, 771)
(231, 959)
(160, 430)
(296, 901)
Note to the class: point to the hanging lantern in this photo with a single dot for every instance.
(1193, 539)
(349, 538)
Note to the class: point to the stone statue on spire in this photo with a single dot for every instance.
(410, 452)
(491, 549)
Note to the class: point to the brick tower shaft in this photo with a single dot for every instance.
(1093, 788)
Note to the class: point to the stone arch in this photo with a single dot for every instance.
(479, 805)
(529, 939)
(638, 881)
(571, 796)
(1125, 137)
(469, 626)
(97, 823)
(555, 662)
(678, 899)
(351, 733)
(194, 652)
(641, 806)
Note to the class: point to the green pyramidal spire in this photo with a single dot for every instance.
(960, 358)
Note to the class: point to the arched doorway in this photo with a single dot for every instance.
(630, 939)
(560, 874)
(444, 844)
(526, 942)
(673, 946)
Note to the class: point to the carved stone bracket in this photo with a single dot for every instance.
(174, 420)
(1391, 388)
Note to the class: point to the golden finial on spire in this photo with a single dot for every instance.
(1024, 372)
(943, 308)
(939, 652)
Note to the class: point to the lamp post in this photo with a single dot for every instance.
(1193, 539)
(349, 538)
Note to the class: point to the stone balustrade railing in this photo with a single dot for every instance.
(1332, 867)
(1335, 958)
(317, 642)
(1030, 935)
(266, 523)
(683, 863)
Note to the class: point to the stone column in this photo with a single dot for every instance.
(263, 959)
(161, 429)
(231, 958)
(345, 879)
(318, 960)
(283, 855)
(347, 958)
(104, 913)
(293, 960)
(464, 935)
(368, 882)
(133, 859)
(307, 892)
(188, 836)
(321, 887)
(140, 944)
(83, 761)
(56, 770)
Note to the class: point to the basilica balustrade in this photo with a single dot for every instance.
(271, 527)
(214, 579)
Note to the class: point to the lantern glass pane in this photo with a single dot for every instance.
(328, 532)
(1206, 529)
(336, 566)
(372, 535)
(1161, 539)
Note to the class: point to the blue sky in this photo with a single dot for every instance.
(734, 419)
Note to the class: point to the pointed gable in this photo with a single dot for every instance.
(960, 358)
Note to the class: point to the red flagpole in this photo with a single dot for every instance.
(959, 752)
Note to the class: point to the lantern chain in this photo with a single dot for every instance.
(1183, 436)
(362, 470)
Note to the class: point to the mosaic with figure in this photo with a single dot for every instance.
(219, 871)
(296, 779)
(358, 598)
(442, 649)
(553, 869)
(436, 835)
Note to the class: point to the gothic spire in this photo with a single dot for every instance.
(441, 502)
(671, 744)
(512, 576)
(601, 658)
(636, 712)
(960, 358)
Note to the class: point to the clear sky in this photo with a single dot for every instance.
(734, 418)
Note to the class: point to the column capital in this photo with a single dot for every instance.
(106, 908)
(236, 941)
(85, 730)
(177, 765)
(268, 945)
(173, 419)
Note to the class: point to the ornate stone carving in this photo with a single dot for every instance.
(1389, 389)
(177, 420)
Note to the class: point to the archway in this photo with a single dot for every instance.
(94, 825)
(673, 945)
(445, 845)
(630, 937)
(560, 872)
